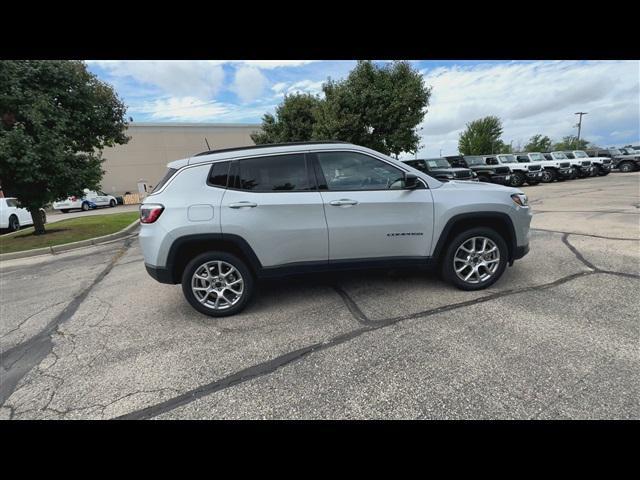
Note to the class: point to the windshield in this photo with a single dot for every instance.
(559, 156)
(438, 163)
(580, 154)
(474, 160)
(507, 159)
(615, 151)
(536, 157)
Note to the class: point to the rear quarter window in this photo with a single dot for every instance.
(165, 179)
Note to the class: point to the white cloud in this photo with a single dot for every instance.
(185, 109)
(201, 79)
(533, 97)
(249, 83)
(269, 64)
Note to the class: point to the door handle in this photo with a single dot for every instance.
(243, 205)
(343, 202)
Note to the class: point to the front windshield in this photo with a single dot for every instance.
(615, 151)
(580, 154)
(474, 160)
(438, 163)
(536, 157)
(559, 156)
(507, 159)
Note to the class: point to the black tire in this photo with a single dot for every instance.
(517, 179)
(574, 173)
(64, 210)
(112, 203)
(85, 207)
(626, 167)
(596, 171)
(447, 268)
(14, 223)
(548, 176)
(239, 265)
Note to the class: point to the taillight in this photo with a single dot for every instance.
(149, 213)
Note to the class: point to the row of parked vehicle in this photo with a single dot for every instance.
(532, 168)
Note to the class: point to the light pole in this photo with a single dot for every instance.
(579, 125)
(440, 152)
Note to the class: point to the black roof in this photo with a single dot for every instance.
(265, 145)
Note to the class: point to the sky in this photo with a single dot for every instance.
(530, 97)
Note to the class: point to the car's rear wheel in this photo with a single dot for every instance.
(548, 176)
(475, 259)
(626, 167)
(14, 223)
(517, 179)
(85, 207)
(217, 284)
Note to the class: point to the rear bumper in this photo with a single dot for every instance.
(162, 275)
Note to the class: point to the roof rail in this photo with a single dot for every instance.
(265, 145)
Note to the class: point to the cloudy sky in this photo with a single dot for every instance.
(530, 97)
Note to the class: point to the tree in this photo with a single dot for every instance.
(538, 143)
(482, 136)
(56, 119)
(571, 142)
(379, 107)
(293, 121)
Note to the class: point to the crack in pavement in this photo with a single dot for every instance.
(586, 235)
(19, 360)
(272, 365)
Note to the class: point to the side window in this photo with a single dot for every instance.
(492, 161)
(273, 174)
(218, 174)
(11, 202)
(356, 171)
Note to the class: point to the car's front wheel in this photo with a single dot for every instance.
(85, 207)
(517, 179)
(112, 203)
(14, 223)
(548, 176)
(475, 259)
(217, 284)
(626, 167)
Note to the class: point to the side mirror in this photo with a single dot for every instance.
(410, 181)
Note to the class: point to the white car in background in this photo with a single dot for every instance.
(90, 200)
(12, 216)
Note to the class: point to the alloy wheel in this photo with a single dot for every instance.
(476, 260)
(217, 285)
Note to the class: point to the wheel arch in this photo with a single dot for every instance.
(188, 247)
(498, 221)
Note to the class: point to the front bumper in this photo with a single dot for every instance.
(564, 172)
(501, 179)
(537, 176)
(521, 251)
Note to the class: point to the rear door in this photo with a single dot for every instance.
(272, 203)
(369, 213)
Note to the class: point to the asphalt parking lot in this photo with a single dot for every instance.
(88, 334)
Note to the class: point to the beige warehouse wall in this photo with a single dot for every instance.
(152, 146)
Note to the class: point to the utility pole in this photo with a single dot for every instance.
(440, 152)
(579, 125)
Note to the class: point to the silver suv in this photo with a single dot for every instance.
(221, 220)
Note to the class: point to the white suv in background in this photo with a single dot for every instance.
(90, 200)
(12, 216)
(222, 219)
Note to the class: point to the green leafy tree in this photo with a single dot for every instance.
(293, 121)
(538, 143)
(379, 107)
(571, 142)
(56, 117)
(482, 136)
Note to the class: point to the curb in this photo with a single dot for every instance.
(70, 246)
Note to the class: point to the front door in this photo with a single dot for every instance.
(369, 213)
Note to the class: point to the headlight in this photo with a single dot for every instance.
(520, 199)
